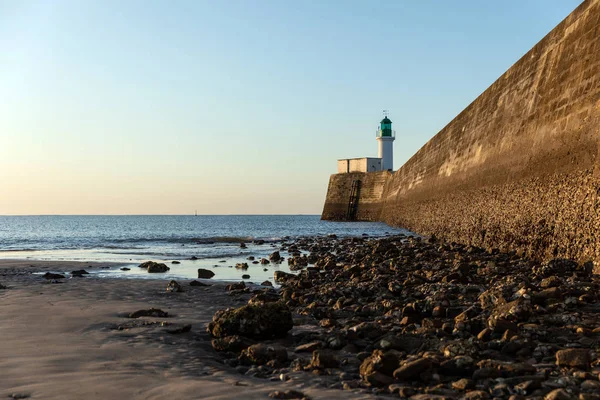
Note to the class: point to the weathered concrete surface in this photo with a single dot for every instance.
(370, 195)
(518, 168)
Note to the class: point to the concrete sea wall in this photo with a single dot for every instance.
(369, 196)
(518, 168)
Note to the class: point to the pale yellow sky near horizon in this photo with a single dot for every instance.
(148, 107)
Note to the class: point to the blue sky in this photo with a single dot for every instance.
(233, 107)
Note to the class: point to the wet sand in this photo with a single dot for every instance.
(61, 340)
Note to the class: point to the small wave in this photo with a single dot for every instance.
(112, 247)
(17, 250)
(223, 239)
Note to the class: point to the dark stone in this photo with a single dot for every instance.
(173, 286)
(575, 358)
(198, 283)
(205, 273)
(261, 354)
(180, 329)
(275, 257)
(233, 343)
(154, 267)
(322, 359)
(50, 275)
(263, 321)
(288, 394)
(151, 312)
(412, 370)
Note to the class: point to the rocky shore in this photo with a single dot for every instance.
(411, 318)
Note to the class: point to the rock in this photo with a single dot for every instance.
(590, 386)
(79, 272)
(264, 261)
(198, 283)
(575, 358)
(243, 245)
(154, 267)
(152, 312)
(322, 359)
(233, 343)
(412, 370)
(236, 286)
(158, 268)
(180, 329)
(559, 394)
(275, 257)
(463, 384)
(243, 266)
(288, 394)
(245, 276)
(261, 354)
(255, 321)
(50, 275)
(205, 273)
(125, 269)
(475, 395)
(308, 347)
(281, 276)
(173, 286)
(175, 262)
(379, 363)
(266, 283)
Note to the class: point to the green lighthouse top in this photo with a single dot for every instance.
(386, 128)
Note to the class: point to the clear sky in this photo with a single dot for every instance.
(233, 107)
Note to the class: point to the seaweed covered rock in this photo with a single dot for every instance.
(233, 343)
(256, 321)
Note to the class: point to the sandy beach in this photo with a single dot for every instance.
(61, 340)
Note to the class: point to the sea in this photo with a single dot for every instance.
(213, 240)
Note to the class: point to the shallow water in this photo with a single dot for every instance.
(135, 239)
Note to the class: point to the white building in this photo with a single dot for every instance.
(385, 161)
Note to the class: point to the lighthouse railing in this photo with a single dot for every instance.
(379, 133)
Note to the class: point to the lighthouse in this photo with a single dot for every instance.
(385, 140)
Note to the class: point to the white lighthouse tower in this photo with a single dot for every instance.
(385, 140)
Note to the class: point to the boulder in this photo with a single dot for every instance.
(241, 266)
(574, 358)
(50, 275)
(233, 343)
(151, 312)
(281, 276)
(173, 286)
(256, 321)
(261, 354)
(412, 370)
(154, 267)
(205, 273)
(379, 363)
(275, 257)
(198, 283)
(288, 395)
(322, 359)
